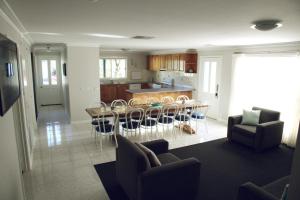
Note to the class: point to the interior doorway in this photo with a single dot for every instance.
(48, 80)
(209, 83)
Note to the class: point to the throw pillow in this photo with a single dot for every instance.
(250, 117)
(154, 162)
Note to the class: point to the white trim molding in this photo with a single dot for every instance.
(11, 18)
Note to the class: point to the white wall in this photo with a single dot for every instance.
(137, 61)
(65, 82)
(11, 181)
(11, 178)
(84, 83)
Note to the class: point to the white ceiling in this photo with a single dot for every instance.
(174, 23)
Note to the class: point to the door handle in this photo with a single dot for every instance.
(217, 91)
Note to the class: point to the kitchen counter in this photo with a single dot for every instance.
(159, 90)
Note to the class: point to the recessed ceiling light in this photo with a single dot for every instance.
(105, 35)
(266, 25)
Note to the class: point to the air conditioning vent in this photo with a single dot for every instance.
(141, 37)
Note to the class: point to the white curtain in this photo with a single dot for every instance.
(268, 81)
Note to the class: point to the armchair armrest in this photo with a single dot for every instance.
(268, 134)
(250, 191)
(158, 146)
(232, 120)
(178, 180)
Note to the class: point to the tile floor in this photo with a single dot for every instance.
(64, 156)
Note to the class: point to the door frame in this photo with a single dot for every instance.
(202, 59)
(38, 58)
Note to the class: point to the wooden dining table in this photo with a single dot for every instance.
(121, 111)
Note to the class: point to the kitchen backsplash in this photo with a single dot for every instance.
(180, 78)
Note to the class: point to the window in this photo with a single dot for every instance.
(49, 72)
(113, 68)
(269, 81)
(209, 79)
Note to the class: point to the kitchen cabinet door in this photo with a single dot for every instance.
(175, 62)
(108, 93)
(150, 63)
(169, 62)
(121, 91)
(191, 62)
(181, 62)
(163, 62)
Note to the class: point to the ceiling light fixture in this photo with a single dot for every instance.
(105, 35)
(266, 25)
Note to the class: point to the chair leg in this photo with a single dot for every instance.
(116, 140)
(205, 124)
(92, 130)
(100, 141)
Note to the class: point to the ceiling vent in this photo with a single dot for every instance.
(266, 25)
(141, 37)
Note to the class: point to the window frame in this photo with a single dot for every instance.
(48, 60)
(111, 78)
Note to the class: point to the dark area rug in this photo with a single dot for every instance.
(225, 166)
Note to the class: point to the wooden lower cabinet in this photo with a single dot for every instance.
(108, 93)
(112, 92)
(121, 91)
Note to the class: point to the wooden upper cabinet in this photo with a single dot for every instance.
(181, 62)
(191, 62)
(156, 63)
(169, 62)
(175, 62)
(163, 65)
(186, 62)
(150, 62)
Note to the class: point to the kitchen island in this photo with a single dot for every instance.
(174, 92)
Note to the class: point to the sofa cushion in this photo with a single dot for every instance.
(166, 158)
(245, 129)
(250, 117)
(267, 115)
(131, 125)
(153, 160)
(276, 188)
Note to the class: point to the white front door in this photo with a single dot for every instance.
(210, 68)
(49, 80)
